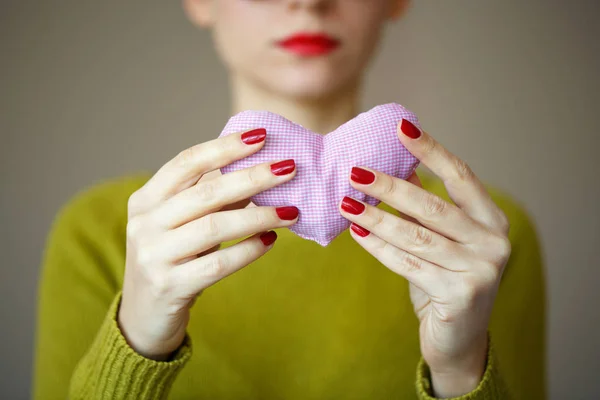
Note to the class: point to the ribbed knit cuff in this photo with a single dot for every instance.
(119, 372)
(491, 386)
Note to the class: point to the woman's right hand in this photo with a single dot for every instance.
(176, 223)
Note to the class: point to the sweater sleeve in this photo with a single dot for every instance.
(111, 369)
(491, 386)
(79, 350)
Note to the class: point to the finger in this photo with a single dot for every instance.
(463, 186)
(208, 196)
(196, 275)
(430, 210)
(204, 233)
(405, 235)
(426, 276)
(188, 166)
(414, 179)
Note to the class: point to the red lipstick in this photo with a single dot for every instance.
(309, 44)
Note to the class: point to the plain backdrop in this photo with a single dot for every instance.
(92, 90)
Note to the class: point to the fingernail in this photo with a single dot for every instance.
(362, 176)
(287, 213)
(352, 206)
(268, 238)
(359, 230)
(254, 136)
(409, 129)
(283, 167)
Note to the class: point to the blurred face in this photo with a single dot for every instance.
(296, 48)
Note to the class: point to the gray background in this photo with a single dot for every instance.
(90, 90)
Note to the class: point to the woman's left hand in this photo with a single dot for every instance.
(453, 255)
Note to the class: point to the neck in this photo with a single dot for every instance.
(320, 115)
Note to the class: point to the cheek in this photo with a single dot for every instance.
(364, 23)
(362, 31)
(239, 29)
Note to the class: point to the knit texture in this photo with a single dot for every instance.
(491, 387)
(302, 322)
(113, 370)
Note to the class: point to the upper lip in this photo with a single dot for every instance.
(318, 38)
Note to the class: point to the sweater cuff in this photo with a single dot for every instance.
(121, 372)
(491, 386)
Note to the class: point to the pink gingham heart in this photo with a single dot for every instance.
(323, 163)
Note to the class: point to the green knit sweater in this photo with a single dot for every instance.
(302, 322)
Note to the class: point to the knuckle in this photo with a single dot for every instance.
(145, 256)
(462, 171)
(214, 267)
(470, 292)
(251, 251)
(505, 246)
(137, 203)
(378, 220)
(419, 236)
(501, 249)
(229, 144)
(429, 147)
(209, 226)
(160, 284)
(490, 275)
(410, 263)
(134, 227)
(253, 176)
(389, 187)
(133, 201)
(475, 289)
(207, 191)
(496, 250)
(433, 206)
(381, 247)
(405, 262)
(504, 223)
(261, 220)
(185, 159)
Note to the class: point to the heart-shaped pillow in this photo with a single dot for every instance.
(324, 162)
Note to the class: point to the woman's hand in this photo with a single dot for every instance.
(176, 223)
(452, 255)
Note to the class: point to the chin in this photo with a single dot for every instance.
(308, 83)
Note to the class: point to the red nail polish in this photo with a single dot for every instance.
(287, 213)
(268, 238)
(409, 129)
(254, 136)
(352, 206)
(362, 176)
(359, 230)
(283, 167)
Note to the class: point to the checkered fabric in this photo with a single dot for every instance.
(324, 162)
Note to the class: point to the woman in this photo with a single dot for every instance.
(128, 259)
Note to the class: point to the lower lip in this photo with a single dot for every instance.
(308, 48)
